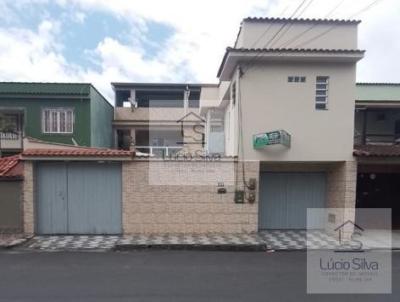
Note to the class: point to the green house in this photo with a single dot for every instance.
(66, 113)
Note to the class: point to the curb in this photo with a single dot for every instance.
(15, 243)
(194, 247)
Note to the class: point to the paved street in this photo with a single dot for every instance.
(164, 276)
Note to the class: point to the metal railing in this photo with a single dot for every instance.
(11, 140)
(376, 139)
(159, 151)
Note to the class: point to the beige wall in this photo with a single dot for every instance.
(270, 103)
(339, 36)
(28, 194)
(185, 208)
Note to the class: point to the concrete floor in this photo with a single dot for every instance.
(164, 276)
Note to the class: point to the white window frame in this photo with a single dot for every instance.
(58, 112)
(319, 90)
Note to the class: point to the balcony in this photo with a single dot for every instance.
(10, 141)
(159, 151)
(150, 115)
(377, 126)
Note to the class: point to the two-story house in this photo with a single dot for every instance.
(65, 113)
(377, 147)
(286, 103)
(161, 120)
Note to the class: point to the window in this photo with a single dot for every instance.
(296, 79)
(321, 93)
(58, 120)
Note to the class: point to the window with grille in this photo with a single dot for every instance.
(59, 120)
(321, 93)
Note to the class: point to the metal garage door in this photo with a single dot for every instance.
(79, 198)
(285, 197)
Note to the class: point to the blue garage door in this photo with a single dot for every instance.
(285, 197)
(78, 198)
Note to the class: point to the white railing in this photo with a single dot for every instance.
(10, 140)
(159, 151)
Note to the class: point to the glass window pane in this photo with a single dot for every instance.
(322, 86)
(46, 121)
(320, 99)
(320, 106)
(321, 92)
(62, 121)
(290, 79)
(54, 121)
(69, 121)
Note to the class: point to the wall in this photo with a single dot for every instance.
(28, 193)
(10, 206)
(101, 117)
(270, 103)
(33, 118)
(154, 203)
(339, 36)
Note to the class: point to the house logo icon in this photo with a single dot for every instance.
(351, 242)
(197, 136)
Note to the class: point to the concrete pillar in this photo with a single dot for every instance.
(28, 193)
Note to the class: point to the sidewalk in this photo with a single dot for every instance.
(277, 240)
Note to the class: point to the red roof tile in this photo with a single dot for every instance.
(7, 164)
(377, 151)
(77, 152)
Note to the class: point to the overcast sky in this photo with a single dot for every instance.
(101, 41)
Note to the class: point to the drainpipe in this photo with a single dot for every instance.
(186, 95)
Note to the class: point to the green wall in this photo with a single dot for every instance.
(102, 115)
(33, 117)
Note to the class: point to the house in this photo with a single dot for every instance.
(158, 119)
(64, 113)
(286, 103)
(284, 119)
(377, 138)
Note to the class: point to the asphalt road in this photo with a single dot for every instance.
(164, 276)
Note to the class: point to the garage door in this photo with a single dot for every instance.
(78, 198)
(285, 197)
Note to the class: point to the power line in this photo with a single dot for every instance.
(312, 26)
(254, 59)
(333, 27)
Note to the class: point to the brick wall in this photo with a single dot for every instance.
(27, 199)
(171, 202)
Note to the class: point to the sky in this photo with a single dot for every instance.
(104, 41)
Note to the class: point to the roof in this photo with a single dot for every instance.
(300, 20)
(78, 89)
(162, 85)
(8, 167)
(77, 153)
(377, 151)
(287, 50)
(378, 92)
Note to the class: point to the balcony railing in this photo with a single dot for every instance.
(10, 140)
(159, 151)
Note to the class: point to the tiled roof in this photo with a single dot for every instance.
(78, 152)
(377, 151)
(7, 164)
(292, 50)
(39, 88)
(377, 84)
(299, 20)
(358, 51)
(378, 92)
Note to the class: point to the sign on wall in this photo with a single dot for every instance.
(262, 140)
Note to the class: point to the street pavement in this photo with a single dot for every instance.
(150, 275)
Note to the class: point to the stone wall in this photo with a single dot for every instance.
(181, 197)
(27, 199)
